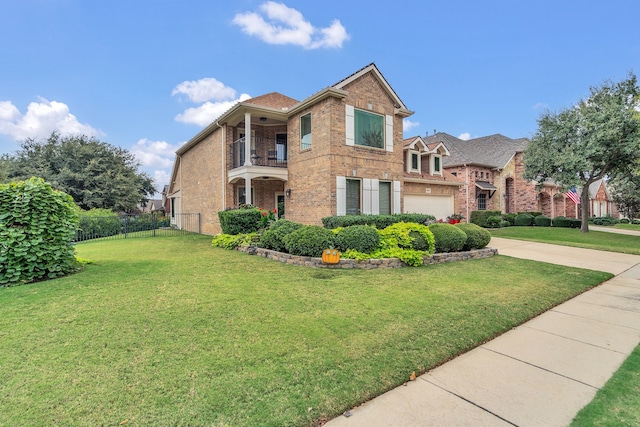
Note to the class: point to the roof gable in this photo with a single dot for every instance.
(373, 69)
(493, 151)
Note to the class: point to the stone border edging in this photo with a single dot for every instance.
(367, 263)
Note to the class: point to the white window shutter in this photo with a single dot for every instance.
(366, 196)
(341, 195)
(375, 196)
(388, 136)
(351, 125)
(396, 197)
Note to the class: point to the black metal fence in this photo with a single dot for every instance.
(134, 226)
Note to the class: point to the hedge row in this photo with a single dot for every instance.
(379, 221)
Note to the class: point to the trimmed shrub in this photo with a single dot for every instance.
(309, 240)
(510, 217)
(273, 237)
(635, 222)
(532, 213)
(524, 219)
(37, 227)
(561, 221)
(96, 223)
(480, 217)
(231, 241)
(575, 223)
(403, 235)
(624, 220)
(542, 221)
(493, 222)
(379, 221)
(449, 238)
(240, 221)
(477, 237)
(362, 238)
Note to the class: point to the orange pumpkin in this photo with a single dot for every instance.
(330, 256)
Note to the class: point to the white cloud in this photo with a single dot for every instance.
(40, 119)
(206, 89)
(465, 136)
(285, 25)
(161, 178)
(159, 154)
(408, 125)
(540, 106)
(207, 112)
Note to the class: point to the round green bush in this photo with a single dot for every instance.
(477, 237)
(510, 217)
(524, 219)
(542, 221)
(561, 221)
(494, 221)
(361, 238)
(309, 240)
(273, 237)
(635, 222)
(37, 228)
(403, 235)
(449, 238)
(624, 220)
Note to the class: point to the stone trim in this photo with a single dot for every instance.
(368, 263)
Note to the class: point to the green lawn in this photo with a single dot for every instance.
(171, 331)
(634, 227)
(618, 402)
(599, 240)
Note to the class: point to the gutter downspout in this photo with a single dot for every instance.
(467, 179)
(224, 167)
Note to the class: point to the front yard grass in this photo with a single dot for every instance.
(171, 331)
(598, 240)
(618, 402)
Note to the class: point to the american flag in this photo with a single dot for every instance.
(573, 195)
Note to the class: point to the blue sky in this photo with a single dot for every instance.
(148, 75)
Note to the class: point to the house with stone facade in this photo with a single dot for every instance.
(492, 168)
(339, 151)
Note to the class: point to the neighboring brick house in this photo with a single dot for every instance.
(340, 151)
(492, 169)
(600, 203)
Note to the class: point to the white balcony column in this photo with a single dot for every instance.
(247, 189)
(247, 140)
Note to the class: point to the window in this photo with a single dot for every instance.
(173, 207)
(454, 173)
(353, 197)
(305, 131)
(436, 164)
(242, 195)
(384, 191)
(281, 147)
(369, 129)
(482, 202)
(414, 161)
(476, 174)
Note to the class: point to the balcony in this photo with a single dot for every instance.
(264, 152)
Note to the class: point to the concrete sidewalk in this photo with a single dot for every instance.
(538, 374)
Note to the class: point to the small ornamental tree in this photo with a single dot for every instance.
(37, 227)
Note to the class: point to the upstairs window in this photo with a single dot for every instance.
(414, 161)
(305, 131)
(369, 129)
(436, 164)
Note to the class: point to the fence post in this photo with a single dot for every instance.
(153, 223)
(125, 225)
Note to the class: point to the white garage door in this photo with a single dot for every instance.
(439, 206)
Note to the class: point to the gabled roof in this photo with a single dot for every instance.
(492, 151)
(401, 109)
(413, 141)
(434, 147)
(273, 100)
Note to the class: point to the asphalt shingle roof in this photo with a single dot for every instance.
(493, 151)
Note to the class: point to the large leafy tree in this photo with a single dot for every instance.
(597, 137)
(625, 191)
(96, 174)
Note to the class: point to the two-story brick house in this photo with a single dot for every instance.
(493, 167)
(340, 151)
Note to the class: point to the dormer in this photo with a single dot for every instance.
(423, 159)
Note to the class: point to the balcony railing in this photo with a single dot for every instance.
(265, 152)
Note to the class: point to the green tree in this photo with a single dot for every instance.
(5, 166)
(96, 174)
(625, 191)
(599, 136)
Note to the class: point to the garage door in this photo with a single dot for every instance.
(439, 206)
